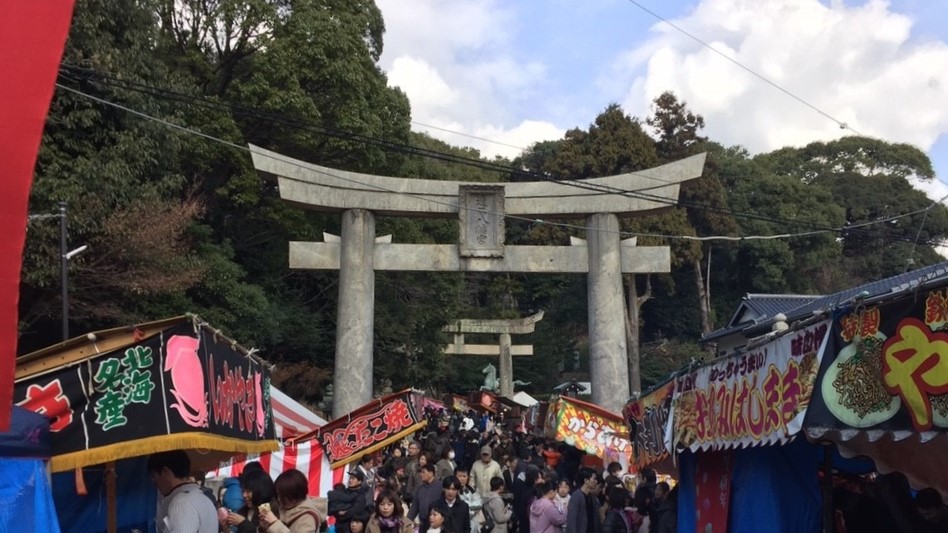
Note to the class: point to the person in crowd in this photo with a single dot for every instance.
(426, 495)
(931, 508)
(661, 490)
(617, 520)
(583, 511)
(499, 512)
(396, 459)
(504, 447)
(438, 520)
(470, 496)
(438, 440)
(367, 469)
(344, 504)
(357, 522)
(472, 445)
(561, 500)
(483, 470)
(412, 468)
(446, 465)
(544, 516)
(233, 496)
(523, 496)
(198, 477)
(182, 507)
(667, 515)
(389, 515)
(509, 472)
(551, 455)
(459, 513)
(297, 513)
(642, 502)
(613, 479)
(257, 488)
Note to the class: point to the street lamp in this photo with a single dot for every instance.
(64, 265)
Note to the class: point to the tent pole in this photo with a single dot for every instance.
(827, 489)
(111, 497)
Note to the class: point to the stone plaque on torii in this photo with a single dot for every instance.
(481, 209)
(503, 329)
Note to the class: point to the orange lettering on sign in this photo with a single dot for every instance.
(936, 307)
(864, 323)
(915, 366)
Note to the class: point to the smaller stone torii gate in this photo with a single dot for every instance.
(481, 210)
(503, 329)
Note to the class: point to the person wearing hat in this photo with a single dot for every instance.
(483, 470)
(343, 505)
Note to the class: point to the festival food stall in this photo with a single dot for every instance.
(882, 392)
(589, 428)
(113, 397)
(731, 425)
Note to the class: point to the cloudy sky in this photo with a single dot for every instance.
(515, 72)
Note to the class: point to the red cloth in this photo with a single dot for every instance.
(32, 37)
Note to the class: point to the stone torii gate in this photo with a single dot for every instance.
(481, 209)
(503, 329)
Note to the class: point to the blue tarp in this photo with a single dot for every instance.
(774, 489)
(26, 502)
(28, 435)
(136, 498)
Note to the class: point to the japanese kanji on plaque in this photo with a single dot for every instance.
(183, 381)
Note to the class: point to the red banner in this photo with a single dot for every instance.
(713, 490)
(370, 427)
(32, 35)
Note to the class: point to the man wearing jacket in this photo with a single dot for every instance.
(426, 495)
(582, 514)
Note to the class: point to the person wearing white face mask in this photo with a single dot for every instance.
(446, 465)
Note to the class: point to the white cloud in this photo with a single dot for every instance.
(857, 64)
(459, 68)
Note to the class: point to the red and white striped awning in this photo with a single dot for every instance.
(291, 419)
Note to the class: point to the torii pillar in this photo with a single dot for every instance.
(503, 329)
(481, 209)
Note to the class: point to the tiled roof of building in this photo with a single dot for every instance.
(795, 307)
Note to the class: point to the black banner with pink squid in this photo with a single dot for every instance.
(183, 380)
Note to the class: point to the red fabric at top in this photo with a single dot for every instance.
(32, 36)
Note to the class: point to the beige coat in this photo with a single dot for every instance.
(301, 519)
(374, 527)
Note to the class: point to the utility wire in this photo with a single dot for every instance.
(512, 217)
(752, 72)
(112, 81)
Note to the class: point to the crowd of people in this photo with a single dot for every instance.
(460, 475)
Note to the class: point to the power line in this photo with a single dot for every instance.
(113, 82)
(752, 72)
(512, 217)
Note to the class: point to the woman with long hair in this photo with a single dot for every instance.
(297, 513)
(258, 492)
(389, 515)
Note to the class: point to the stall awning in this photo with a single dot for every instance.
(126, 392)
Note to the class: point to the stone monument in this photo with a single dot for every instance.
(480, 209)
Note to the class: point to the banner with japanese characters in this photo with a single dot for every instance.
(888, 368)
(590, 428)
(648, 418)
(371, 427)
(183, 388)
(756, 397)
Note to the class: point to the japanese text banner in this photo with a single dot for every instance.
(648, 419)
(370, 427)
(888, 369)
(753, 398)
(589, 428)
(177, 390)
